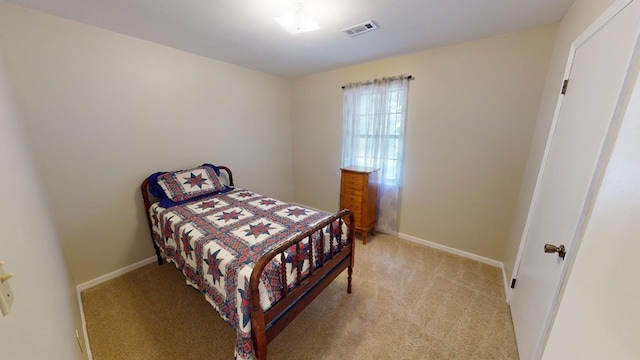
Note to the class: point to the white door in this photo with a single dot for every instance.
(571, 163)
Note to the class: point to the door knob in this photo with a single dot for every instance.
(548, 248)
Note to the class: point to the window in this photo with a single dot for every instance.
(382, 128)
(374, 116)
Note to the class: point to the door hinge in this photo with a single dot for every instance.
(513, 283)
(564, 87)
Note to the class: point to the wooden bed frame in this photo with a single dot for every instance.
(266, 325)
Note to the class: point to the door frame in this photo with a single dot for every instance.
(616, 7)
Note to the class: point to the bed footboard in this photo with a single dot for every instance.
(266, 325)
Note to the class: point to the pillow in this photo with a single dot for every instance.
(184, 185)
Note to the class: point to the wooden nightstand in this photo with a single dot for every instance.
(359, 193)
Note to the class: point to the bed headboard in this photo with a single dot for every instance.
(147, 197)
(147, 200)
(229, 179)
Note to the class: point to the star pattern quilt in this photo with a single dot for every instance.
(217, 241)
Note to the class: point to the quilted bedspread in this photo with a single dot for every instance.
(217, 241)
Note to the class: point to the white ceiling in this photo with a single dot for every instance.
(244, 32)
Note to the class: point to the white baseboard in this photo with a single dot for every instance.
(97, 281)
(115, 274)
(87, 346)
(505, 284)
(458, 252)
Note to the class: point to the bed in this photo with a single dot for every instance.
(257, 260)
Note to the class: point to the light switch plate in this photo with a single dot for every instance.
(6, 295)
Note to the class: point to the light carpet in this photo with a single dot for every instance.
(408, 302)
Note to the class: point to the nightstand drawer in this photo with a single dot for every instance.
(350, 202)
(352, 189)
(352, 180)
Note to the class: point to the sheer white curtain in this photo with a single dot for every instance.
(374, 117)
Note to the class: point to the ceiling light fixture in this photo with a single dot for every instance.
(297, 20)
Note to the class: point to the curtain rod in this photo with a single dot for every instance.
(409, 77)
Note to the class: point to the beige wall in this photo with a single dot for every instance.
(103, 110)
(580, 15)
(472, 111)
(41, 321)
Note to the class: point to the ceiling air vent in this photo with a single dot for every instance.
(360, 28)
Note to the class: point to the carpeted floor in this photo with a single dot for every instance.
(408, 302)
